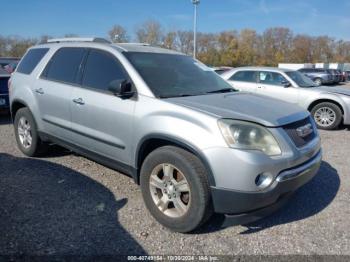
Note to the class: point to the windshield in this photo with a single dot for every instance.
(171, 75)
(300, 79)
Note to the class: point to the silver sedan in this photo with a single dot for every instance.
(329, 106)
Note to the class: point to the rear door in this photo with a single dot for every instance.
(54, 90)
(102, 122)
(272, 84)
(244, 80)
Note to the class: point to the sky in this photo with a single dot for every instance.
(33, 18)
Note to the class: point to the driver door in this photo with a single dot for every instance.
(274, 84)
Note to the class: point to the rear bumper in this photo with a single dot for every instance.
(258, 204)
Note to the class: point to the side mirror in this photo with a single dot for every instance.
(121, 88)
(286, 83)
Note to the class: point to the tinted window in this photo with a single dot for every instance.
(244, 76)
(101, 69)
(171, 75)
(64, 65)
(31, 60)
(271, 78)
(300, 79)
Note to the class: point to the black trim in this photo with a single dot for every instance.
(106, 161)
(17, 101)
(180, 142)
(84, 134)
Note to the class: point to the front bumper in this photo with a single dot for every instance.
(241, 204)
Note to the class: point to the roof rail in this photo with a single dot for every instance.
(144, 44)
(79, 39)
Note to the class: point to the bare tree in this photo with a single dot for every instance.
(118, 34)
(169, 40)
(185, 42)
(150, 32)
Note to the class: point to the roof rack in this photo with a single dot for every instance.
(79, 39)
(143, 44)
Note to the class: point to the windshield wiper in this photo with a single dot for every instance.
(224, 90)
(177, 95)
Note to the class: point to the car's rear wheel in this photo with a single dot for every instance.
(318, 81)
(26, 133)
(175, 188)
(327, 115)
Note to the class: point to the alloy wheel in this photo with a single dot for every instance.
(325, 116)
(24, 132)
(170, 190)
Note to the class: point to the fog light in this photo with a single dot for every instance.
(263, 180)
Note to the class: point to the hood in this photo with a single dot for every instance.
(335, 89)
(244, 106)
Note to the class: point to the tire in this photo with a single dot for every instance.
(199, 205)
(333, 110)
(318, 81)
(36, 147)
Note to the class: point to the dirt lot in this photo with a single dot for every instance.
(65, 204)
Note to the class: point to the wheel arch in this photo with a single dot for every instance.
(323, 100)
(151, 142)
(15, 106)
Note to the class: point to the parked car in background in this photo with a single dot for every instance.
(4, 61)
(347, 73)
(4, 92)
(336, 75)
(222, 69)
(195, 145)
(345, 76)
(11, 67)
(329, 106)
(319, 76)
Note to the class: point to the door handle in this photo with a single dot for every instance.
(39, 91)
(79, 101)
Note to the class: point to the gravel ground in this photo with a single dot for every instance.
(65, 204)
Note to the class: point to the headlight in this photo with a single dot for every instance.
(249, 136)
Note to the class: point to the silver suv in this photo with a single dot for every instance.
(194, 144)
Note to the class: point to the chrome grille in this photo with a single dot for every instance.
(291, 130)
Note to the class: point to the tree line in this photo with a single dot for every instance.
(226, 48)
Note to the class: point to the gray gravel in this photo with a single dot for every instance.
(65, 204)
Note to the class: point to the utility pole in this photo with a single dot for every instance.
(195, 3)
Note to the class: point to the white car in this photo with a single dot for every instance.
(329, 106)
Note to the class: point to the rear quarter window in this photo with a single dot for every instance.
(31, 60)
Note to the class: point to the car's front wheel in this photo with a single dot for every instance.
(175, 188)
(26, 133)
(327, 115)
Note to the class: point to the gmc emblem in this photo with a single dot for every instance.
(304, 131)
